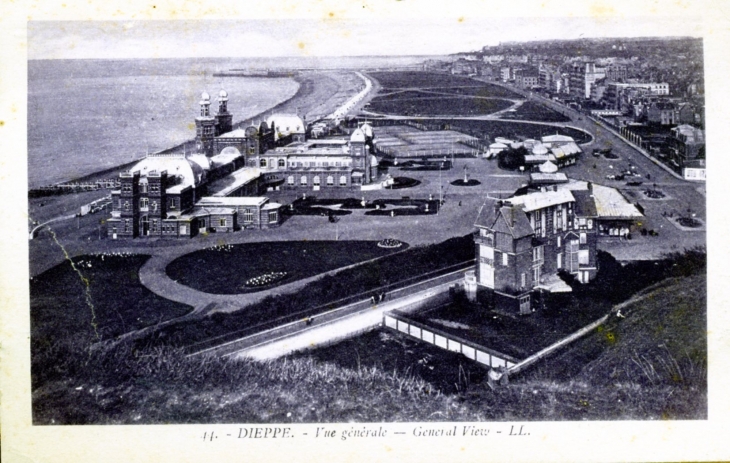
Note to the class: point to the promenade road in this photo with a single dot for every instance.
(323, 333)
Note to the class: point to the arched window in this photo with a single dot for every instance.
(290, 180)
(343, 180)
(262, 163)
(303, 180)
(315, 182)
(490, 240)
(330, 180)
(282, 163)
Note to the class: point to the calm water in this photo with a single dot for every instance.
(87, 115)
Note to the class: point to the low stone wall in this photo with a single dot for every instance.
(398, 321)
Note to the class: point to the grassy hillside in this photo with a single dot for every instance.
(649, 365)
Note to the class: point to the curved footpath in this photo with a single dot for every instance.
(153, 276)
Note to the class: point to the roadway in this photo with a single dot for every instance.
(358, 318)
(259, 335)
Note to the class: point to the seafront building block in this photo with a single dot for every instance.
(218, 188)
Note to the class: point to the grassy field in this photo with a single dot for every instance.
(319, 296)
(386, 377)
(391, 81)
(514, 130)
(532, 111)
(225, 269)
(427, 104)
(101, 299)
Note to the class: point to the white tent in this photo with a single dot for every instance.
(548, 167)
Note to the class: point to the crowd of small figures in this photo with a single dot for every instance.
(389, 243)
(265, 279)
(223, 247)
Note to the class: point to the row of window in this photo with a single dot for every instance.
(316, 181)
(127, 188)
(281, 163)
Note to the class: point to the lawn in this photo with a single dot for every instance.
(514, 130)
(416, 79)
(226, 269)
(65, 310)
(391, 81)
(532, 111)
(385, 376)
(346, 286)
(426, 104)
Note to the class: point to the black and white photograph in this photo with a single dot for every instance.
(366, 228)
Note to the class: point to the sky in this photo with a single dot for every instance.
(323, 37)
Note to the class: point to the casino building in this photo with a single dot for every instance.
(220, 187)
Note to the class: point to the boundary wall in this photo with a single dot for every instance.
(397, 321)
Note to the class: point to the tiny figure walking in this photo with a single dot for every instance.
(309, 321)
(372, 299)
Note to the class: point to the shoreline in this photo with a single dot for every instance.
(307, 87)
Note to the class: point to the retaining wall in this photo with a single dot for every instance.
(481, 354)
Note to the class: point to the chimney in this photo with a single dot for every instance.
(497, 205)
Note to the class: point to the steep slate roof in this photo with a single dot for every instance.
(511, 220)
(487, 214)
(585, 204)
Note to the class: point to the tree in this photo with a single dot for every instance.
(512, 158)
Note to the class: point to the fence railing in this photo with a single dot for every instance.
(486, 356)
(241, 338)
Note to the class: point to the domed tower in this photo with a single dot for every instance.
(205, 127)
(224, 119)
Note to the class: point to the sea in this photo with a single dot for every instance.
(86, 116)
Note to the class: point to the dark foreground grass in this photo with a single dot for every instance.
(225, 269)
(386, 377)
(98, 298)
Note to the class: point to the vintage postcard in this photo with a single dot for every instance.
(364, 231)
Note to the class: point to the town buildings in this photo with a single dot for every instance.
(582, 76)
(687, 151)
(547, 154)
(218, 188)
